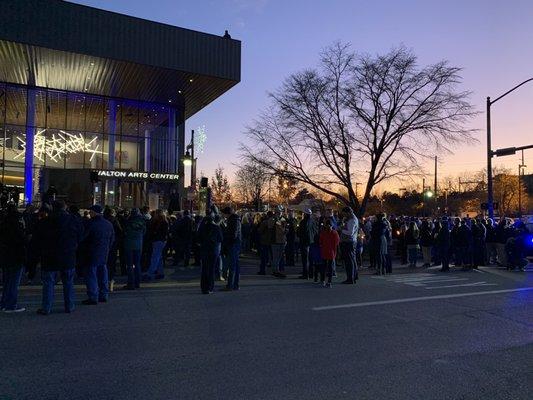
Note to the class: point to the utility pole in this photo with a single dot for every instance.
(435, 183)
(521, 167)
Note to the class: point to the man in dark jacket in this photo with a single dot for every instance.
(443, 244)
(58, 241)
(99, 238)
(231, 247)
(12, 257)
(210, 240)
(307, 230)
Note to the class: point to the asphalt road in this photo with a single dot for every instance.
(416, 335)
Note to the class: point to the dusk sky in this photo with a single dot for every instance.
(491, 40)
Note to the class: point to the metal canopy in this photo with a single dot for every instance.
(61, 45)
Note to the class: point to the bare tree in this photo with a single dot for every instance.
(220, 187)
(358, 118)
(251, 183)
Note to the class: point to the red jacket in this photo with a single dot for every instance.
(329, 240)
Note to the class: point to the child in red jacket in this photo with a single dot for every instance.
(329, 240)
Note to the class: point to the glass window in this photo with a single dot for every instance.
(56, 110)
(16, 105)
(94, 114)
(75, 112)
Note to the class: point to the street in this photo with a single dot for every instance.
(410, 335)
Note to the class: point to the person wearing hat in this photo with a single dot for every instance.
(99, 238)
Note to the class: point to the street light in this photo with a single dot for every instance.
(490, 194)
(187, 159)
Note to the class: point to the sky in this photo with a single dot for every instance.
(491, 40)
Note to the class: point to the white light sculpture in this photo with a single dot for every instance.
(59, 145)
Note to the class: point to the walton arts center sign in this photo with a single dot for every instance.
(136, 176)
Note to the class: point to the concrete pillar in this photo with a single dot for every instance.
(30, 137)
(180, 166)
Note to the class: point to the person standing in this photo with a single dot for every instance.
(99, 238)
(412, 237)
(307, 230)
(231, 247)
(426, 242)
(158, 234)
(479, 234)
(110, 215)
(329, 241)
(134, 231)
(443, 244)
(348, 241)
(278, 231)
(291, 239)
(265, 242)
(210, 239)
(58, 241)
(12, 258)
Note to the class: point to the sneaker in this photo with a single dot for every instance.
(323, 283)
(89, 302)
(14, 310)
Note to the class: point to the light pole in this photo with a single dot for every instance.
(490, 194)
(188, 160)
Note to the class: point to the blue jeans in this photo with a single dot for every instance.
(97, 282)
(412, 252)
(156, 262)
(133, 266)
(231, 259)
(49, 280)
(11, 288)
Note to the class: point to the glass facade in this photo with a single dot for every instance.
(82, 131)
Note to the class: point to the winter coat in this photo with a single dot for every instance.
(443, 238)
(12, 242)
(99, 238)
(158, 230)
(307, 230)
(134, 233)
(209, 235)
(58, 239)
(329, 240)
(232, 231)
(412, 237)
(426, 236)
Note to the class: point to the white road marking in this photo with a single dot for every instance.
(424, 283)
(463, 285)
(424, 298)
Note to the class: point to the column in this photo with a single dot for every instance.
(28, 156)
(180, 166)
(110, 185)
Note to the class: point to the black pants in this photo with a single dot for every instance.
(209, 260)
(304, 252)
(112, 262)
(289, 253)
(348, 259)
(326, 270)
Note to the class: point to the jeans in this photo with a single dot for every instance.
(231, 259)
(49, 280)
(277, 253)
(97, 283)
(156, 260)
(264, 252)
(133, 266)
(210, 259)
(10, 289)
(348, 258)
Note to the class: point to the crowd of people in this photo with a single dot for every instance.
(92, 245)
(67, 244)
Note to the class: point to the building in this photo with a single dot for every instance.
(95, 103)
